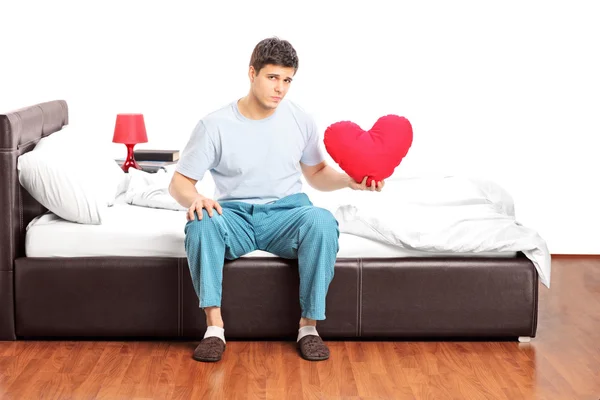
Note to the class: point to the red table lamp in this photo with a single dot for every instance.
(130, 130)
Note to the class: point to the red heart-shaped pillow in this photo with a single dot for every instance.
(374, 153)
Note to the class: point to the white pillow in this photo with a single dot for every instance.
(73, 181)
(419, 190)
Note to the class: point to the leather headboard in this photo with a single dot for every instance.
(20, 130)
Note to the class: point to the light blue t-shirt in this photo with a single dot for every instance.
(254, 161)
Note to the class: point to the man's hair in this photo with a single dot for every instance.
(274, 51)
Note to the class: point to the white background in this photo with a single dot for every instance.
(508, 91)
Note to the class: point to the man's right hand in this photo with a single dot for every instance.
(203, 202)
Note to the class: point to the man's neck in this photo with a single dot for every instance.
(250, 108)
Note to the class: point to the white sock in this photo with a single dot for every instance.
(216, 332)
(307, 330)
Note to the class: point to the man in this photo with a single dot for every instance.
(256, 149)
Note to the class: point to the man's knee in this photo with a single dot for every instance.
(322, 221)
(199, 227)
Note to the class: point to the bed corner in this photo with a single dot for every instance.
(20, 131)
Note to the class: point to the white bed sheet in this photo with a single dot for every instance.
(130, 230)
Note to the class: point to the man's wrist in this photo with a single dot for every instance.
(347, 181)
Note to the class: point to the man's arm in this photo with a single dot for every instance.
(183, 190)
(324, 178)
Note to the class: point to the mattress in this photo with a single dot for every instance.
(129, 230)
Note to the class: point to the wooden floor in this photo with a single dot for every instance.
(563, 362)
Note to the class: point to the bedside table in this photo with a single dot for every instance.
(149, 166)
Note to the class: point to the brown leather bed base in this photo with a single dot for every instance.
(368, 298)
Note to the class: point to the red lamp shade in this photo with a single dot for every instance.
(130, 130)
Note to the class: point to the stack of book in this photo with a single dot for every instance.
(154, 160)
(156, 155)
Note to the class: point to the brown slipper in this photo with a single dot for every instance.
(312, 348)
(210, 349)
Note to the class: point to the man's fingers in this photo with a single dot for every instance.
(199, 211)
(209, 210)
(372, 185)
(379, 186)
(364, 181)
(218, 208)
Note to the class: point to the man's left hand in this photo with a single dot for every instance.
(375, 186)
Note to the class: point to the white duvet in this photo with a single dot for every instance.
(437, 214)
(151, 190)
(450, 214)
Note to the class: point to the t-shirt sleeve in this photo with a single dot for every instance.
(199, 154)
(313, 153)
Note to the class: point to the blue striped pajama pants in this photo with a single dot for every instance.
(291, 227)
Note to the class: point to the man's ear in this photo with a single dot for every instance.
(251, 73)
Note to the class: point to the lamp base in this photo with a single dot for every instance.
(130, 160)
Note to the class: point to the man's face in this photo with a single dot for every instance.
(271, 84)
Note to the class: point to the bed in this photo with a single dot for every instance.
(59, 279)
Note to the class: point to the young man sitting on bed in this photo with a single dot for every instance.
(256, 148)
